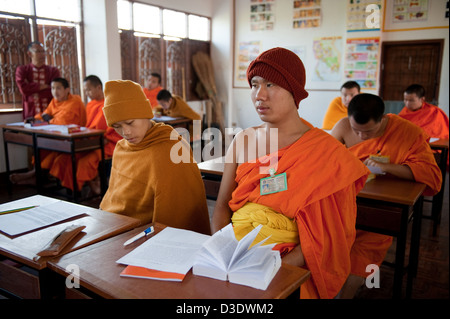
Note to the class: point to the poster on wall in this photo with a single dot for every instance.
(262, 15)
(247, 52)
(361, 62)
(328, 57)
(363, 15)
(307, 14)
(409, 10)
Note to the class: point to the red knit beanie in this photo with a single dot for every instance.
(282, 67)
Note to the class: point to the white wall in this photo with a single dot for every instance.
(101, 39)
(314, 107)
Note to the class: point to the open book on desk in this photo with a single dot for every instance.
(223, 257)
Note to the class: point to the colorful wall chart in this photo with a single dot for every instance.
(362, 61)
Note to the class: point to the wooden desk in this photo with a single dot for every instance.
(441, 159)
(174, 121)
(23, 249)
(87, 140)
(385, 206)
(100, 274)
(212, 171)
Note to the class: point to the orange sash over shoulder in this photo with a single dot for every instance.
(323, 179)
(336, 111)
(432, 119)
(405, 144)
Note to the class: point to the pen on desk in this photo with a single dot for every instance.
(15, 210)
(140, 235)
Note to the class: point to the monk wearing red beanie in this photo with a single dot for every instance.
(309, 208)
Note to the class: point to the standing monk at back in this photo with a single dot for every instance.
(34, 81)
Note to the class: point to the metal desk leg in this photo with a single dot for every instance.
(74, 172)
(400, 255)
(415, 246)
(8, 171)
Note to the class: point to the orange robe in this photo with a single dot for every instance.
(431, 118)
(151, 95)
(148, 185)
(70, 111)
(323, 179)
(179, 108)
(406, 144)
(336, 111)
(87, 162)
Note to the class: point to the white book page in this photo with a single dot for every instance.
(21, 222)
(244, 243)
(171, 250)
(221, 246)
(254, 258)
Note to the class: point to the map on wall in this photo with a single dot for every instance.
(328, 57)
(362, 61)
(248, 51)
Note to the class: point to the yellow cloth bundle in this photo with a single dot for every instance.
(280, 228)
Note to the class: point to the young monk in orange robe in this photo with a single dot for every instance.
(367, 131)
(313, 220)
(87, 162)
(63, 109)
(431, 118)
(338, 106)
(175, 106)
(148, 182)
(152, 88)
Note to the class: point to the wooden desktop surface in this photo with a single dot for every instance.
(99, 225)
(392, 189)
(214, 166)
(100, 274)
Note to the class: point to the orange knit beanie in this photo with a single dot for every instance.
(125, 100)
(282, 67)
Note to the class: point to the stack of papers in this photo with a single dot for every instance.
(65, 129)
(169, 255)
(21, 222)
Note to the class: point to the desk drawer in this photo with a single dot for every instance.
(378, 217)
(18, 282)
(17, 138)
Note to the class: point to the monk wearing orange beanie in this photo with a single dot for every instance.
(310, 215)
(146, 182)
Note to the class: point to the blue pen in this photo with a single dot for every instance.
(140, 235)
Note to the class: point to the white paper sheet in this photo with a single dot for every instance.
(171, 250)
(376, 170)
(21, 222)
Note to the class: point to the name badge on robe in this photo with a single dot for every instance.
(273, 183)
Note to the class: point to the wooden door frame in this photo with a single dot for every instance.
(384, 44)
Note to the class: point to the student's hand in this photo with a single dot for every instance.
(46, 117)
(29, 120)
(372, 162)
